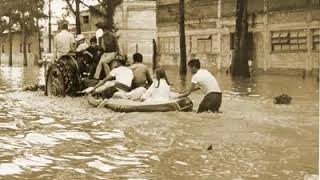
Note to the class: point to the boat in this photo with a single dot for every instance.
(125, 105)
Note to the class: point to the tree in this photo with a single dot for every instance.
(9, 12)
(76, 12)
(183, 51)
(23, 14)
(239, 66)
(105, 9)
(30, 12)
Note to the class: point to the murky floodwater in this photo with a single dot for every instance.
(64, 138)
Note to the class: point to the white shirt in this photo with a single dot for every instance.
(64, 42)
(99, 34)
(123, 75)
(161, 93)
(206, 81)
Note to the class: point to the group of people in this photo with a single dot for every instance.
(134, 82)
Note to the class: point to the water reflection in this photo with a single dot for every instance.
(59, 138)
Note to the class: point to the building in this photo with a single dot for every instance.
(17, 48)
(136, 24)
(283, 34)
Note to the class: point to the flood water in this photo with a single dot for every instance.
(64, 138)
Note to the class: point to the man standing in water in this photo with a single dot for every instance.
(204, 80)
(109, 44)
(64, 41)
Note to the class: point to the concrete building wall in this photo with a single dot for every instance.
(266, 18)
(17, 55)
(136, 24)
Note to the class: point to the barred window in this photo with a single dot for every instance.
(316, 39)
(204, 45)
(169, 45)
(285, 41)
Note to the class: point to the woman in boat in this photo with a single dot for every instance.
(159, 89)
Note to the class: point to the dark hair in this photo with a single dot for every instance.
(99, 24)
(161, 74)
(137, 57)
(93, 39)
(194, 63)
(64, 26)
(119, 58)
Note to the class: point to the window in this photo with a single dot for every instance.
(29, 47)
(204, 45)
(20, 48)
(85, 19)
(169, 45)
(285, 41)
(3, 49)
(316, 39)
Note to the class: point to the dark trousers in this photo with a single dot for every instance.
(211, 102)
(109, 92)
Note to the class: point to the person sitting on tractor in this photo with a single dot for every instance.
(63, 42)
(94, 53)
(109, 44)
(81, 44)
(119, 79)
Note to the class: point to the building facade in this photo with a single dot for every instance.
(282, 34)
(17, 49)
(136, 24)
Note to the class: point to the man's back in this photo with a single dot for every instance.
(140, 72)
(64, 42)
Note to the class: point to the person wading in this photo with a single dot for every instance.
(109, 44)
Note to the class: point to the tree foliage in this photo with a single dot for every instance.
(21, 12)
(105, 9)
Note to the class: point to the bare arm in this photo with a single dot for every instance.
(108, 78)
(149, 79)
(192, 88)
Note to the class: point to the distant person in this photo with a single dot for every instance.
(231, 55)
(81, 43)
(250, 66)
(94, 52)
(99, 32)
(142, 77)
(159, 89)
(119, 79)
(109, 44)
(204, 80)
(63, 42)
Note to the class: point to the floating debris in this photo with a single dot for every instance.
(282, 99)
(33, 87)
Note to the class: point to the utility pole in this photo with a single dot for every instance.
(78, 28)
(24, 36)
(240, 61)
(183, 51)
(10, 41)
(39, 40)
(49, 26)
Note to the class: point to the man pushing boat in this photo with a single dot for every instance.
(204, 80)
